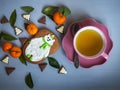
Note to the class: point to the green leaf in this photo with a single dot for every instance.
(22, 59)
(0, 36)
(7, 37)
(25, 25)
(28, 81)
(49, 11)
(64, 10)
(27, 9)
(13, 18)
(53, 62)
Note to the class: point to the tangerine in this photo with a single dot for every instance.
(32, 29)
(15, 52)
(59, 18)
(7, 46)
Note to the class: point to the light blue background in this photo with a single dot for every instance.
(104, 77)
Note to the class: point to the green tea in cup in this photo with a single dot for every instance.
(89, 42)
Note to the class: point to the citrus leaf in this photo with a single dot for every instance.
(7, 37)
(13, 18)
(64, 10)
(53, 62)
(49, 11)
(28, 81)
(22, 60)
(0, 36)
(25, 25)
(27, 9)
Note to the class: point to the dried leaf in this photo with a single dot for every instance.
(13, 18)
(29, 81)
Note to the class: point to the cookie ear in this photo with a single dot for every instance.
(52, 36)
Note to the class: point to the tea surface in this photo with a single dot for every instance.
(89, 42)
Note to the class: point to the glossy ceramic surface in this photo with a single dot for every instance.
(67, 43)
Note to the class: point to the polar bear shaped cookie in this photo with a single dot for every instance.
(40, 46)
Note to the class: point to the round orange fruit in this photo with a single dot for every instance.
(15, 52)
(59, 18)
(32, 29)
(7, 46)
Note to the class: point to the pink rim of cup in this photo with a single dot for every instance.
(101, 52)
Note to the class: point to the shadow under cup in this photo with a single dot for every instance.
(90, 42)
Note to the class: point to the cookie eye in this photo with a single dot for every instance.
(48, 39)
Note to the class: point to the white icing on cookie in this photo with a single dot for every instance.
(39, 48)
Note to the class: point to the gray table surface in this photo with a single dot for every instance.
(104, 77)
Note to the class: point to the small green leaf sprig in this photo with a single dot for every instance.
(50, 10)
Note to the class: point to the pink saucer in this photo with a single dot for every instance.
(67, 43)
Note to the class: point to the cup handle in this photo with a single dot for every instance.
(105, 55)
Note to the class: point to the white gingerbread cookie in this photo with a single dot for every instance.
(40, 46)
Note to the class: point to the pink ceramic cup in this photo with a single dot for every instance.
(101, 52)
